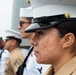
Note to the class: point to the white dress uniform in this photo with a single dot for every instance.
(32, 67)
(0, 50)
(3, 60)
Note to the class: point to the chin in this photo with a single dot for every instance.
(41, 61)
(22, 36)
(38, 61)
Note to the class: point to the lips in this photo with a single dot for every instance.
(36, 52)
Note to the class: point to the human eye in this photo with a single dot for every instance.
(39, 32)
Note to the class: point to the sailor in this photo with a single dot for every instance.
(54, 42)
(3, 56)
(12, 44)
(32, 67)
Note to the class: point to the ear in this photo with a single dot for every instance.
(13, 42)
(68, 40)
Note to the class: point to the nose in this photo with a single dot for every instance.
(34, 42)
(19, 27)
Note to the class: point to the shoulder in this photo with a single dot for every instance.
(16, 59)
(16, 55)
(5, 53)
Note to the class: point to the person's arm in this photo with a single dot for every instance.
(16, 61)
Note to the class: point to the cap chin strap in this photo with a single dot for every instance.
(50, 18)
(48, 21)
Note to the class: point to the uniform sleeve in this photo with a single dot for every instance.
(15, 63)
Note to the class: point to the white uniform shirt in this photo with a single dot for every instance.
(33, 68)
(0, 50)
(3, 59)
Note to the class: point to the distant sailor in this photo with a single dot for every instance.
(32, 67)
(12, 44)
(55, 35)
(3, 56)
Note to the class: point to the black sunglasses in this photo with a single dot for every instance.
(21, 23)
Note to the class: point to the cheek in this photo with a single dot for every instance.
(25, 26)
(45, 46)
(44, 52)
(6, 45)
(47, 43)
(49, 47)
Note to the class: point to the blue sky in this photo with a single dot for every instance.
(5, 15)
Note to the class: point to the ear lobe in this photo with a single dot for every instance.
(68, 40)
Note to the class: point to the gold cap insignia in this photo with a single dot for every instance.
(28, 1)
(67, 15)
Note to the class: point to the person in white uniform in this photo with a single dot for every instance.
(32, 67)
(3, 56)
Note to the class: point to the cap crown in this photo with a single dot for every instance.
(49, 13)
(26, 12)
(53, 7)
(12, 33)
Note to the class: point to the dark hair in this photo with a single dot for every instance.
(66, 27)
(12, 37)
(18, 41)
(1, 38)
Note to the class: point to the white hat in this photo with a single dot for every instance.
(26, 12)
(48, 13)
(12, 33)
(53, 7)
